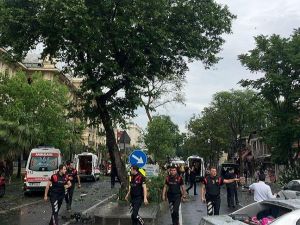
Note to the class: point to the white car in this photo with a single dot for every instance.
(284, 212)
(290, 191)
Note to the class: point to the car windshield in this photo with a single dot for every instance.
(43, 163)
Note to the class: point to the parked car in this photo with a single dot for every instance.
(290, 191)
(279, 211)
(2, 186)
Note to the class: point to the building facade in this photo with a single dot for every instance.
(92, 136)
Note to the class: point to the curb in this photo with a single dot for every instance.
(92, 207)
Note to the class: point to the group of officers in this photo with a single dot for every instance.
(61, 186)
(174, 191)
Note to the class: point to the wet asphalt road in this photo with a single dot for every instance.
(38, 212)
(91, 193)
(193, 209)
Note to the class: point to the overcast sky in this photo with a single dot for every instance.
(254, 17)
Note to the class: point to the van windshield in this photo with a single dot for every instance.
(43, 163)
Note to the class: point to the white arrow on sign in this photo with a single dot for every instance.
(139, 159)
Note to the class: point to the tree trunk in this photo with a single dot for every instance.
(111, 144)
(10, 168)
(148, 113)
(19, 167)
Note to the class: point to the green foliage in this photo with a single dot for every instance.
(289, 174)
(155, 186)
(162, 137)
(230, 115)
(118, 47)
(35, 111)
(278, 59)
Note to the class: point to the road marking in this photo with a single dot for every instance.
(93, 207)
(180, 215)
(21, 206)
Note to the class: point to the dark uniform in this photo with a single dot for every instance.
(57, 194)
(174, 194)
(192, 182)
(212, 195)
(230, 189)
(72, 176)
(137, 197)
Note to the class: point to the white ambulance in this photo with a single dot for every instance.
(87, 166)
(198, 162)
(42, 163)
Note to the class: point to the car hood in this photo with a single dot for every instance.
(220, 220)
(287, 194)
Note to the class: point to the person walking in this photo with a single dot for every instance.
(236, 186)
(210, 193)
(186, 175)
(138, 194)
(2, 169)
(8, 168)
(174, 190)
(59, 183)
(181, 170)
(73, 178)
(192, 181)
(230, 188)
(262, 191)
(113, 176)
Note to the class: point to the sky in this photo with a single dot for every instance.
(254, 17)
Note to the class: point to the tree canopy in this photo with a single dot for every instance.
(230, 116)
(117, 46)
(162, 137)
(278, 58)
(33, 114)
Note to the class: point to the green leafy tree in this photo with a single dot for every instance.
(241, 112)
(33, 113)
(162, 137)
(230, 115)
(278, 59)
(117, 46)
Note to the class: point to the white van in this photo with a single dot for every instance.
(198, 162)
(87, 166)
(42, 163)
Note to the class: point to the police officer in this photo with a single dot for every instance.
(59, 183)
(174, 187)
(230, 188)
(73, 177)
(192, 180)
(211, 191)
(138, 194)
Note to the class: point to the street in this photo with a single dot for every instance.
(156, 93)
(193, 210)
(38, 212)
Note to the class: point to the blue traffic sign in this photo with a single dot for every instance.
(138, 158)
